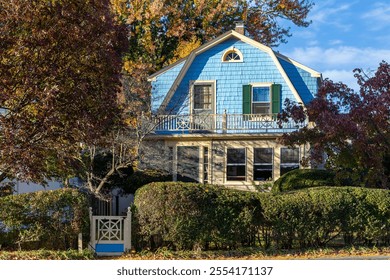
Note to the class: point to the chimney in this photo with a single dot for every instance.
(240, 27)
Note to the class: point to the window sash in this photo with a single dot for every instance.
(262, 164)
(236, 164)
(262, 156)
(236, 159)
(289, 156)
(260, 99)
(261, 94)
(203, 96)
(289, 160)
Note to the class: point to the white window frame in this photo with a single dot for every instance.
(245, 164)
(260, 164)
(289, 164)
(232, 50)
(194, 83)
(261, 85)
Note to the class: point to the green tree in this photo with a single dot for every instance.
(60, 69)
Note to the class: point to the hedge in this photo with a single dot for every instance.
(314, 217)
(44, 220)
(143, 177)
(189, 215)
(303, 178)
(186, 216)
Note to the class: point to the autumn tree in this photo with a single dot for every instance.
(352, 129)
(59, 78)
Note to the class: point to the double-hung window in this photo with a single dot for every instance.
(203, 97)
(262, 164)
(261, 100)
(188, 164)
(236, 165)
(289, 160)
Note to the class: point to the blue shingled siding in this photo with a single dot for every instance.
(162, 84)
(302, 80)
(258, 66)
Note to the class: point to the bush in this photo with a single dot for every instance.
(314, 217)
(47, 219)
(302, 179)
(47, 255)
(189, 215)
(142, 177)
(6, 188)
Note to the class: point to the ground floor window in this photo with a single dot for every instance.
(289, 160)
(262, 164)
(188, 164)
(236, 165)
(205, 165)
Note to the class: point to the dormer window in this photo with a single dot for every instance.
(232, 55)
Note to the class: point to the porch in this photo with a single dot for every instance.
(223, 123)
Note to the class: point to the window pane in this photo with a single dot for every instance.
(188, 164)
(260, 108)
(236, 156)
(260, 174)
(202, 96)
(263, 155)
(289, 155)
(286, 168)
(236, 173)
(232, 56)
(261, 94)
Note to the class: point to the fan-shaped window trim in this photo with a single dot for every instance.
(232, 55)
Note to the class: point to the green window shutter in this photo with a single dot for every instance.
(275, 98)
(246, 99)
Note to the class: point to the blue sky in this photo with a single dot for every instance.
(344, 35)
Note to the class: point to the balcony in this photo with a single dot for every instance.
(222, 123)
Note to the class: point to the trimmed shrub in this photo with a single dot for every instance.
(189, 215)
(142, 177)
(46, 219)
(302, 179)
(314, 217)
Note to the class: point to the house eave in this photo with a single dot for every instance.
(214, 136)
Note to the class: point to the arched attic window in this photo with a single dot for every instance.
(232, 55)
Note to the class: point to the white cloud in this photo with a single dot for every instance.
(322, 13)
(338, 63)
(378, 17)
(340, 57)
(344, 76)
(331, 13)
(335, 42)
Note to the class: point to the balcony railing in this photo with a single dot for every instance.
(223, 123)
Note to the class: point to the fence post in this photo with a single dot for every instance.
(80, 242)
(91, 229)
(224, 122)
(127, 230)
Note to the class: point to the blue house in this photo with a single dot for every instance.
(216, 111)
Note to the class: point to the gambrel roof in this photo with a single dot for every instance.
(277, 58)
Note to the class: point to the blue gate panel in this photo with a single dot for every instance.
(109, 248)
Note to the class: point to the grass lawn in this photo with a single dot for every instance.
(253, 254)
(163, 254)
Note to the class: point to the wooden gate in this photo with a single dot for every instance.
(110, 235)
